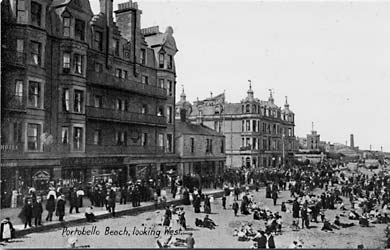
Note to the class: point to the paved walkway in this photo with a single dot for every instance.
(100, 213)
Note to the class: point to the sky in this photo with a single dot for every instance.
(331, 58)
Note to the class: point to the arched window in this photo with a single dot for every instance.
(254, 108)
(247, 108)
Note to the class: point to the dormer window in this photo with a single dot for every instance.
(247, 108)
(79, 30)
(170, 62)
(66, 25)
(161, 59)
(36, 12)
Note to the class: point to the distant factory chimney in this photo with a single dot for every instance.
(351, 141)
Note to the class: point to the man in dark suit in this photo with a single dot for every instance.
(266, 240)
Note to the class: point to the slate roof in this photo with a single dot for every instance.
(194, 129)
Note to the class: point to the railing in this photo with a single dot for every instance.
(13, 57)
(126, 150)
(125, 84)
(124, 116)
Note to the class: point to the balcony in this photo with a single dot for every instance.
(124, 150)
(13, 57)
(111, 81)
(124, 116)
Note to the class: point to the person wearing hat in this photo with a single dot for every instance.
(190, 241)
(7, 230)
(37, 210)
(27, 213)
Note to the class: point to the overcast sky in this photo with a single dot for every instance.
(332, 59)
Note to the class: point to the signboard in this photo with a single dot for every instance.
(84, 161)
(41, 176)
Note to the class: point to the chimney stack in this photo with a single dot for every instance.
(106, 7)
(352, 142)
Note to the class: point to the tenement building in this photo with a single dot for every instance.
(201, 149)
(258, 133)
(84, 98)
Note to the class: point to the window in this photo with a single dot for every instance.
(78, 138)
(161, 140)
(169, 114)
(98, 67)
(192, 144)
(79, 29)
(98, 40)
(161, 83)
(121, 138)
(66, 25)
(121, 105)
(169, 143)
(36, 52)
(78, 64)
(33, 133)
(126, 52)
(19, 46)
(248, 125)
(254, 143)
(17, 133)
(161, 60)
(170, 62)
(19, 91)
(124, 74)
(254, 108)
(242, 126)
(254, 126)
(160, 111)
(144, 139)
(65, 135)
(144, 109)
(34, 94)
(222, 146)
(209, 146)
(247, 108)
(97, 137)
(78, 101)
(66, 62)
(143, 56)
(145, 79)
(242, 142)
(98, 101)
(118, 73)
(36, 10)
(116, 46)
(290, 132)
(66, 100)
(170, 88)
(20, 14)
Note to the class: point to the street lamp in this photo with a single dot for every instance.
(283, 161)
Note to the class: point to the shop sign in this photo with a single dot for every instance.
(8, 147)
(92, 161)
(8, 164)
(41, 176)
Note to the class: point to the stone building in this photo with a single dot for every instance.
(200, 148)
(258, 133)
(84, 98)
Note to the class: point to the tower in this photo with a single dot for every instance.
(351, 141)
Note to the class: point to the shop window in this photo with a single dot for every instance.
(36, 14)
(36, 52)
(78, 138)
(79, 30)
(144, 139)
(65, 135)
(33, 135)
(78, 101)
(98, 40)
(66, 62)
(169, 143)
(66, 26)
(78, 64)
(34, 94)
(97, 137)
(161, 59)
(65, 100)
(143, 56)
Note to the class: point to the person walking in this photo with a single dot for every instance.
(274, 196)
(26, 213)
(224, 202)
(235, 207)
(73, 201)
(60, 211)
(50, 207)
(37, 211)
(111, 201)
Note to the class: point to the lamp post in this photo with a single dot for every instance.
(283, 159)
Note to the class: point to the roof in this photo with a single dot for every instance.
(56, 3)
(156, 39)
(195, 129)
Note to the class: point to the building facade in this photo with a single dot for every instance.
(84, 98)
(200, 148)
(258, 133)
